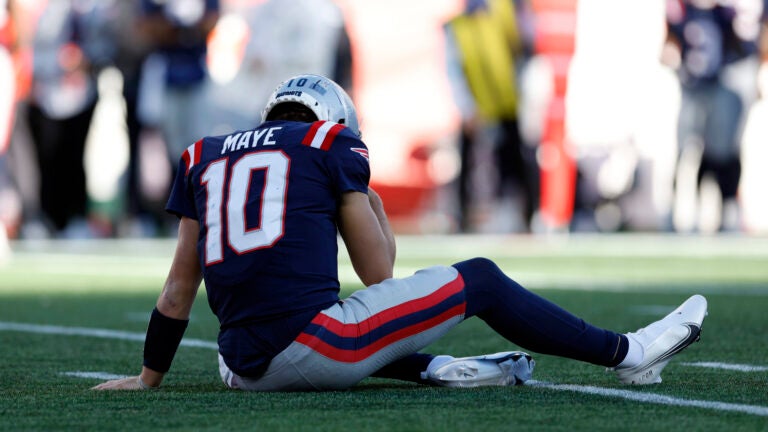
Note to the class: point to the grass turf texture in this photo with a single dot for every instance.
(620, 282)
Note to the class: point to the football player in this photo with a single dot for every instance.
(260, 211)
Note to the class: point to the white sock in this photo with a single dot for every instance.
(634, 353)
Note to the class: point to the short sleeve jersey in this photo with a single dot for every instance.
(267, 202)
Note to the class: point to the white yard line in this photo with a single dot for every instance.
(654, 398)
(95, 332)
(729, 366)
(94, 375)
(599, 391)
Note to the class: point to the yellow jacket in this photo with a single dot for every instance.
(486, 41)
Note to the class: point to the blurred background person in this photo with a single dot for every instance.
(715, 52)
(621, 112)
(174, 86)
(620, 108)
(485, 51)
(21, 195)
(71, 43)
(754, 154)
(276, 38)
(139, 217)
(10, 208)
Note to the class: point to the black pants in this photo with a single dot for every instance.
(60, 145)
(727, 173)
(514, 162)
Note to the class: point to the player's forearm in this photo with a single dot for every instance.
(184, 277)
(378, 208)
(371, 252)
(177, 299)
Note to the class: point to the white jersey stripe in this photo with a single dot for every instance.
(191, 153)
(321, 133)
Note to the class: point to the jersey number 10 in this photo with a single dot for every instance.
(271, 223)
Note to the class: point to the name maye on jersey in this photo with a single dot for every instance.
(320, 135)
(250, 139)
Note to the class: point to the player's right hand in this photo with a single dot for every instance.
(129, 383)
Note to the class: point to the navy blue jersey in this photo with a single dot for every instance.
(267, 202)
(709, 40)
(185, 58)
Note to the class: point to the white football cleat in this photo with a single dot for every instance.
(663, 339)
(500, 369)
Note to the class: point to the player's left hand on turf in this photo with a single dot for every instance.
(130, 383)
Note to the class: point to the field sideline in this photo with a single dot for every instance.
(73, 313)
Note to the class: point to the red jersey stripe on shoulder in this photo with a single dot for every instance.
(198, 151)
(192, 154)
(330, 136)
(311, 133)
(321, 134)
(187, 162)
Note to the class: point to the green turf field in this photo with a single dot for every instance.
(73, 312)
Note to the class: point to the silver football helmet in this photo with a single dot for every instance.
(323, 96)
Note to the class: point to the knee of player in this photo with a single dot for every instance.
(475, 267)
(485, 264)
(483, 285)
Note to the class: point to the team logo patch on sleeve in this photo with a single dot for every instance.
(321, 134)
(361, 151)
